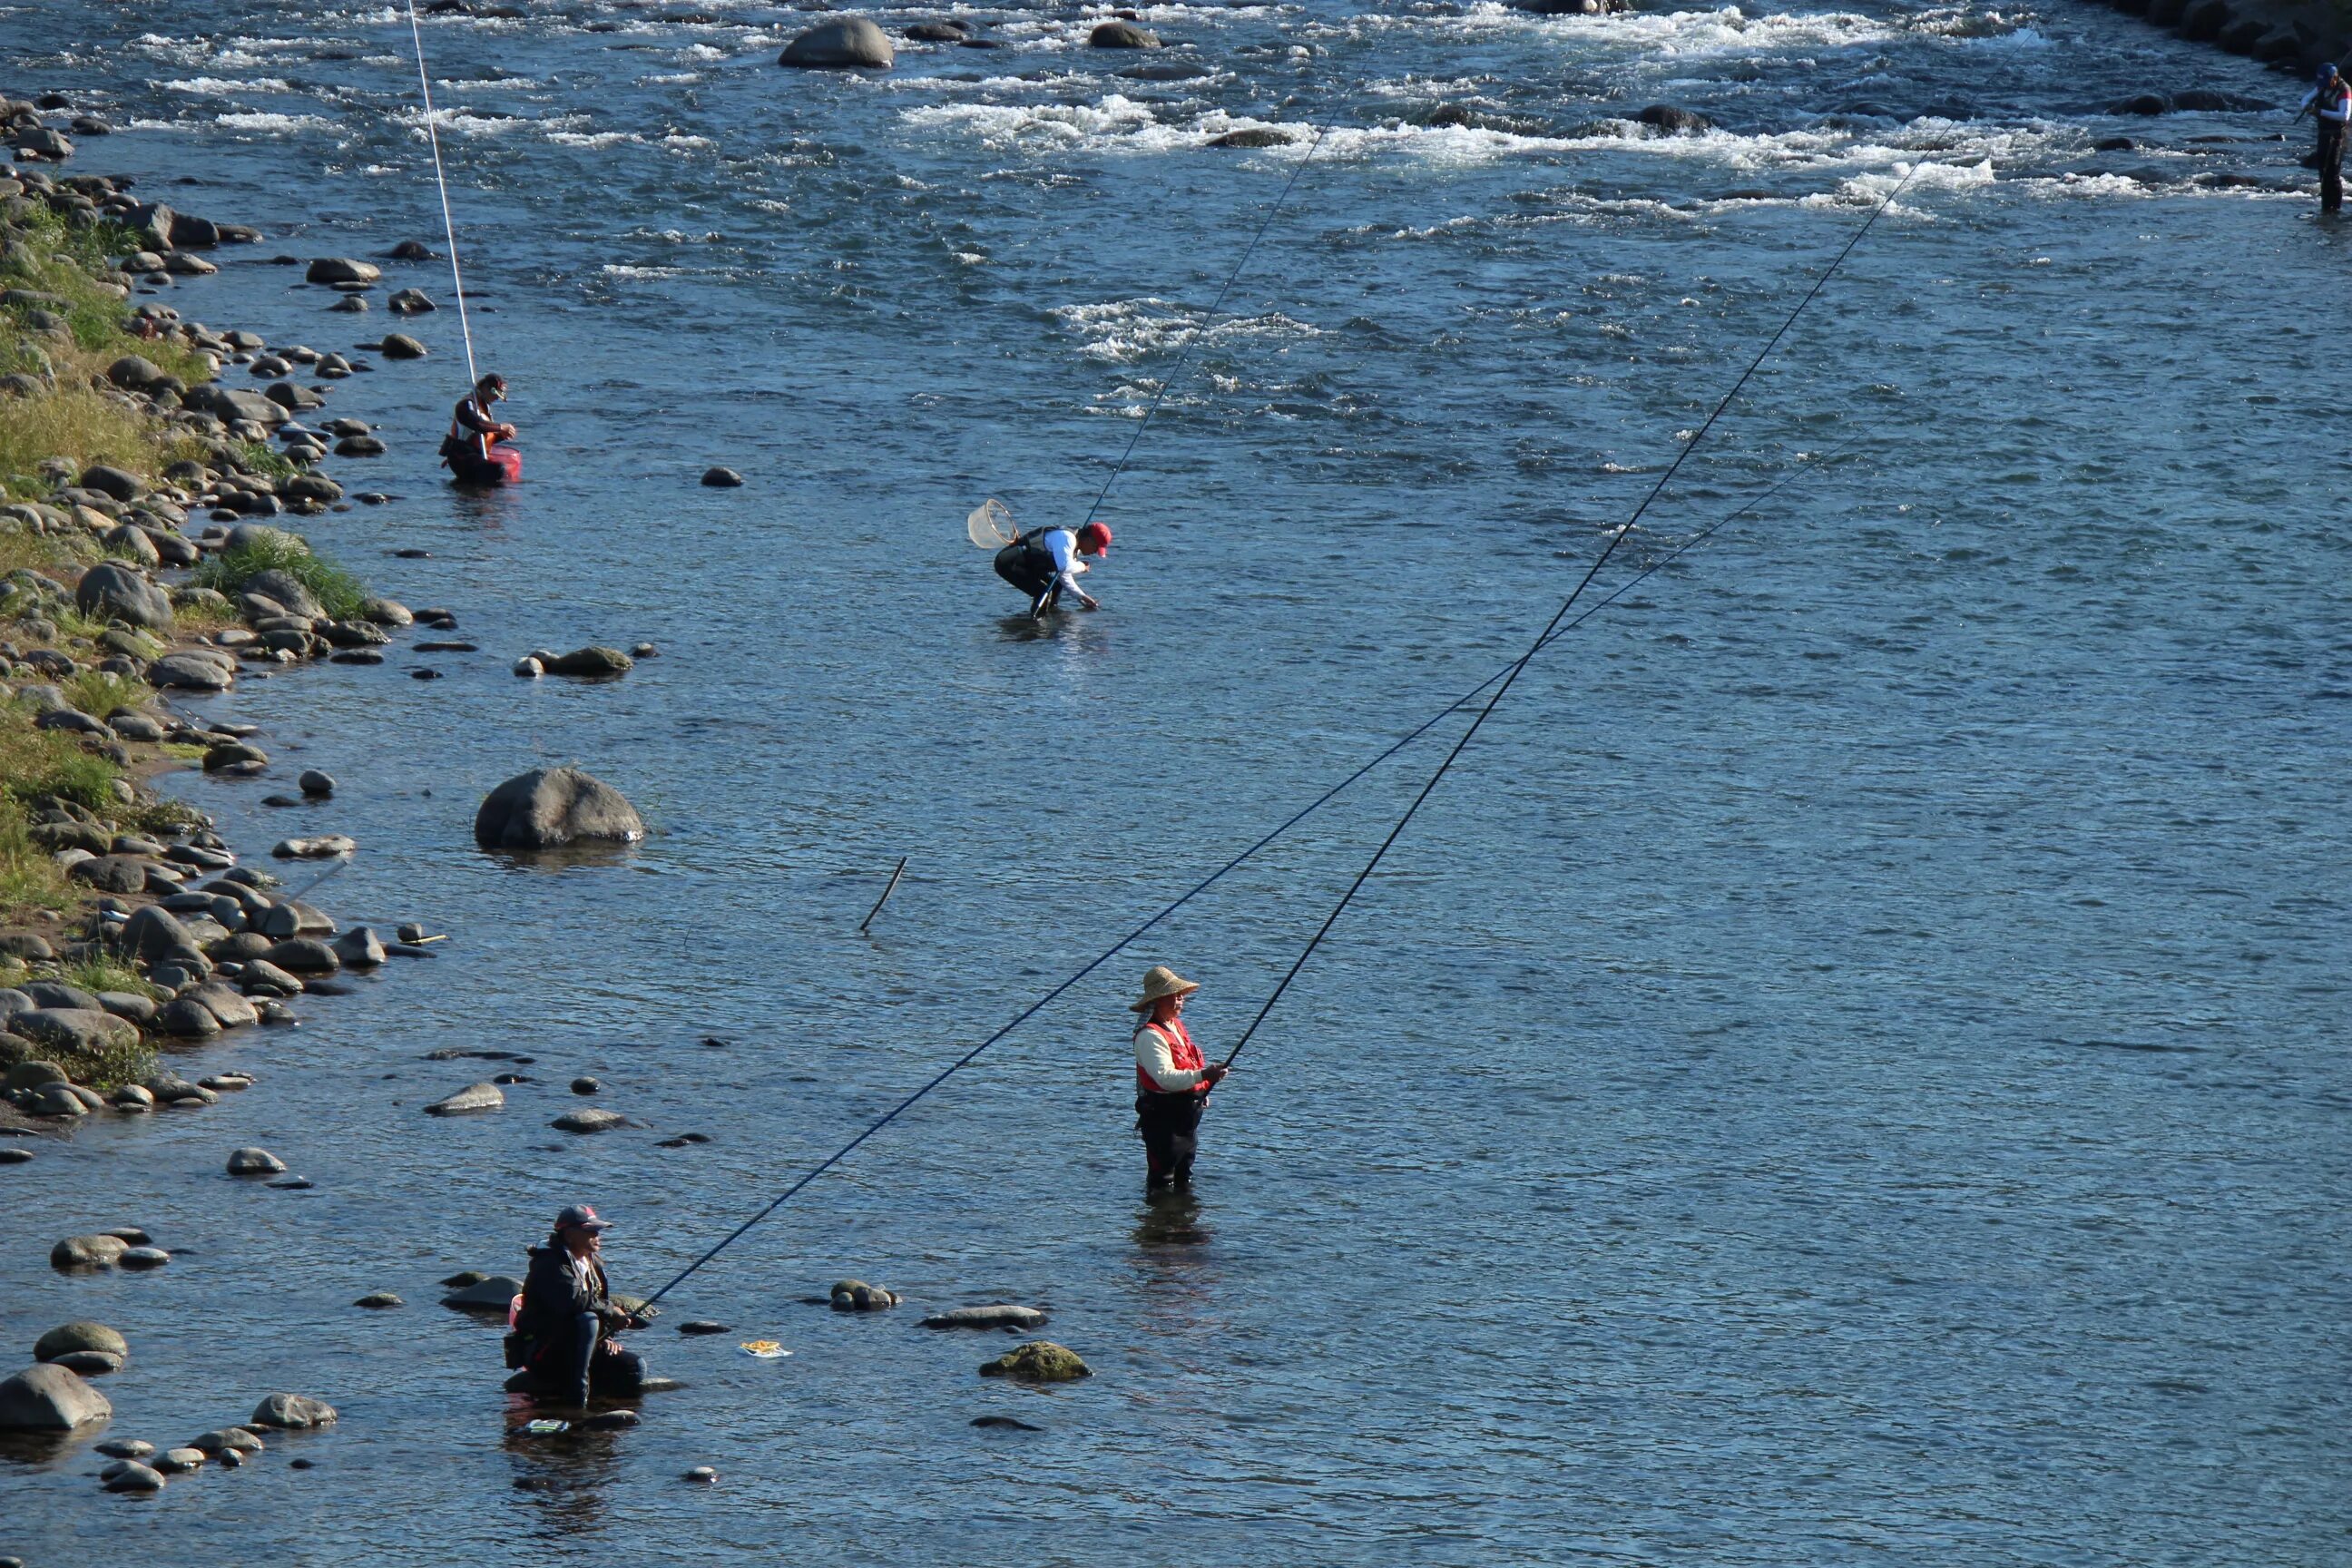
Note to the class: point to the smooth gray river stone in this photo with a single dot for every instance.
(474, 1097)
(1001, 1316)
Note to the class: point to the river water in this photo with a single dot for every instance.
(1846, 1070)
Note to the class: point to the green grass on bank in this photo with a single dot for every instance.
(34, 764)
(71, 417)
(337, 590)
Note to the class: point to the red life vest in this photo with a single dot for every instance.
(461, 433)
(1182, 1054)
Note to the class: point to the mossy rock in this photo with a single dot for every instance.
(1039, 1360)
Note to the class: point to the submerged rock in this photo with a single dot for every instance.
(1252, 136)
(548, 807)
(324, 846)
(254, 1162)
(587, 1121)
(1039, 1360)
(721, 479)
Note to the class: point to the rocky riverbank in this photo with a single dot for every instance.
(148, 556)
(2296, 35)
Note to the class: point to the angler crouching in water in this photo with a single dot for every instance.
(1044, 562)
(563, 1345)
(1172, 1081)
(471, 449)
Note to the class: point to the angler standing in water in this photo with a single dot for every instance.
(1171, 1080)
(2330, 106)
(1044, 563)
(470, 450)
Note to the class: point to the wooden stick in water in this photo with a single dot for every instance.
(885, 895)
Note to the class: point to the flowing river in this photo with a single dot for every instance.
(1848, 1069)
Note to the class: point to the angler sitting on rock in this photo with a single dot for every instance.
(471, 449)
(1172, 1081)
(1044, 562)
(563, 1345)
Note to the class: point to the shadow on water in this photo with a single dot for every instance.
(564, 1472)
(46, 1450)
(488, 507)
(1171, 1220)
(605, 852)
(1055, 627)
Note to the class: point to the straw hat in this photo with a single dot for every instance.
(1161, 981)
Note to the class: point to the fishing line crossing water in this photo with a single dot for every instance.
(1554, 629)
(1208, 323)
(1511, 675)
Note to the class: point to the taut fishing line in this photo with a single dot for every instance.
(448, 225)
(1511, 675)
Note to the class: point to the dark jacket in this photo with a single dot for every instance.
(553, 1300)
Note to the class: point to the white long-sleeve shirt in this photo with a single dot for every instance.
(1154, 1055)
(2335, 107)
(1063, 546)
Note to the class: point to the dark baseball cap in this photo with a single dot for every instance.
(580, 1217)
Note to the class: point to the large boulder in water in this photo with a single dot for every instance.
(852, 43)
(111, 592)
(46, 1398)
(548, 807)
(1121, 36)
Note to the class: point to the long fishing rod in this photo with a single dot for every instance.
(1511, 676)
(1213, 878)
(1208, 322)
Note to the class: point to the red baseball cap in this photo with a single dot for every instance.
(1093, 539)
